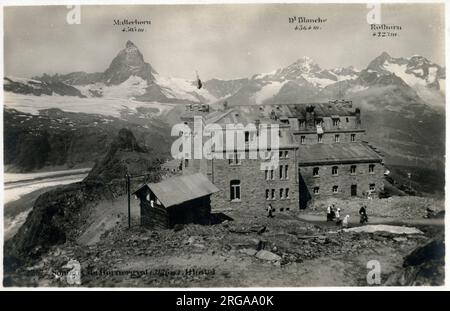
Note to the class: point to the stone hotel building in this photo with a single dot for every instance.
(322, 153)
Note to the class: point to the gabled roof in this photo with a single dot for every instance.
(245, 114)
(180, 189)
(337, 153)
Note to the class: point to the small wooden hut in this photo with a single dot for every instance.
(177, 200)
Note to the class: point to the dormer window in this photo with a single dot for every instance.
(336, 122)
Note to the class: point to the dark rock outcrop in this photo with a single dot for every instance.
(124, 156)
(424, 266)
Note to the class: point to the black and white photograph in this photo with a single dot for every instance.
(224, 145)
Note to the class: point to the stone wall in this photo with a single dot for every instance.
(253, 184)
(344, 179)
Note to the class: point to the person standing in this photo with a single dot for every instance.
(363, 215)
(338, 217)
(345, 221)
(270, 211)
(329, 218)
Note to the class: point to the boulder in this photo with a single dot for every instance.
(266, 255)
(248, 251)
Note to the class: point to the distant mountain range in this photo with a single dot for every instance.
(403, 99)
(130, 76)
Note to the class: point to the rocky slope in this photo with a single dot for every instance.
(55, 138)
(39, 87)
(124, 156)
(58, 215)
(424, 266)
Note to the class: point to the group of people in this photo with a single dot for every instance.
(334, 214)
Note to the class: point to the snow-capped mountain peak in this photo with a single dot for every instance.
(417, 71)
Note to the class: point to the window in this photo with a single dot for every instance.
(273, 194)
(316, 190)
(271, 174)
(371, 168)
(284, 154)
(281, 193)
(186, 163)
(302, 140)
(353, 138)
(353, 169)
(266, 174)
(346, 119)
(336, 122)
(235, 160)
(319, 138)
(281, 171)
(334, 170)
(316, 171)
(286, 193)
(354, 190)
(247, 137)
(267, 194)
(372, 187)
(335, 189)
(286, 168)
(336, 138)
(301, 123)
(235, 190)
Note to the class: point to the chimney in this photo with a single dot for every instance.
(310, 116)
(358, 116)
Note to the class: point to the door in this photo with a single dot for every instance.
(304, 195)
(353, 191)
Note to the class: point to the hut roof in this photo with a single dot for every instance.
(180, 189)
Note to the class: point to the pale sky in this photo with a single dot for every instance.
(219, 41)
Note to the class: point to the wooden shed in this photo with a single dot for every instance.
(177, 200)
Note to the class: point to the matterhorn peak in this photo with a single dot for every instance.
(130, 44)
(385, 55)
(128, 62)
